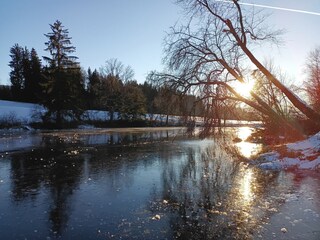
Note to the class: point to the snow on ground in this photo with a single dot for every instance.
(22, 112)
(303, 155)
(28, 112)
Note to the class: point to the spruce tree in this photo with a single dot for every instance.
(60, 47)
(64, 84)
(17, 73)
(94, 89)
(25, 75)
(26, 71)
(33, 88)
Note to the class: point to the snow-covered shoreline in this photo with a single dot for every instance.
(22, 112)
(26, 113)
(303, 154)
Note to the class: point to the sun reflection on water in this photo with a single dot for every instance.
(246, 187)
(245, 198)
(244, 132)
(247, 149)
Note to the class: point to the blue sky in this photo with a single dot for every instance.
(133, 31)
(129, 30)
(302, 35)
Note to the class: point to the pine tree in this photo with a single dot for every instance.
(94, 89)
(59, 47)
(17, 73)
(25, 75)
(34, 87)
(26, 72)
(64, 84)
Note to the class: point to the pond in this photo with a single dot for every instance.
(148, 184)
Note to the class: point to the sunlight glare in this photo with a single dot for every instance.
(244, 132)
(246, 186)
(244, 89)
(247, 149)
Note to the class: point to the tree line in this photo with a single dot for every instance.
(203, 57)
(66, 90)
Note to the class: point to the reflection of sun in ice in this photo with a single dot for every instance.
(247, 149)
(245, 195)
(246, 186)
(244, 89)
(244, 133)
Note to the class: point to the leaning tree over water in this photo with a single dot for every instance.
(216, 48)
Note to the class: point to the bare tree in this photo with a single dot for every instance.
(312, 84)
(272, 95)
(214, 49)
(115, 68)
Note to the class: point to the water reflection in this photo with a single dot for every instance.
(246, 186)
(53, 170)
(24, 141)
(247, 149)
(213, 195)
(244, 132)
(49, 176)
(71, 188)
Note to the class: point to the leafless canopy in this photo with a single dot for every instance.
(205, 55)
(115, 68)
(312, 84)
(216, 47)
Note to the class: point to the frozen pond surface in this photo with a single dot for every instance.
(95, 184)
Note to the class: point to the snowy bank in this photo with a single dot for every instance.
(303, 155)
(22, 112)
(26, 113)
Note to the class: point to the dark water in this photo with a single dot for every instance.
(147, 185)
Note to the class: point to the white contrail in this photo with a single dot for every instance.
(271, 7)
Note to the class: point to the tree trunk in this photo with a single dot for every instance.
(295, 100)
(111, 115)
(59, 119)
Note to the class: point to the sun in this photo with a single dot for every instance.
(244, 89)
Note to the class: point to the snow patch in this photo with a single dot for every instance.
(22, 112)
(86, 126)
(308, 156)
